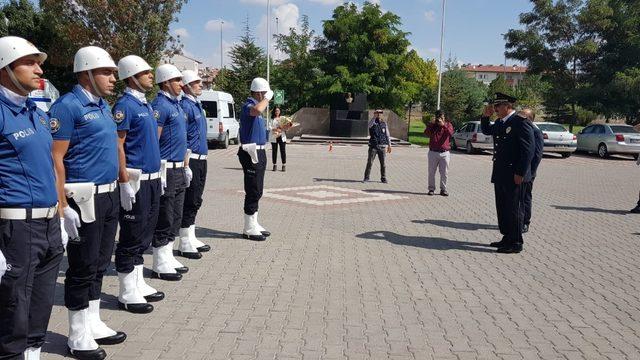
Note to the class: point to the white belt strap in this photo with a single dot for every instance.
(24, 214)
(151, 176)
(106, 188)
(260, 147)
(198, 157)
(174, 165)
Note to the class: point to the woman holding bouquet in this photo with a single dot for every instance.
(278, 136)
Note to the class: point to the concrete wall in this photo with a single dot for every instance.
(316, 121)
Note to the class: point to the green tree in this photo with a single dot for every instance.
(499, 84)
(530, 92)
(247, 62)
(421, 76)
(297, 74)
(122, 27)
(364, 51)
(557, 42)
(462, 96)
(21, 18)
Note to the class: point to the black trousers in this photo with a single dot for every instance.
(253, 179)
(137, 226)
(373, 151)
(89, 256)
(171, 205)
(193, 194)
(510, 210)
(283, 151)
(33, 249)
(528, 202)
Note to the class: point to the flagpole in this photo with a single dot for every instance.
(441, 53)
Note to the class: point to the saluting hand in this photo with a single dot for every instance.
(488, 111)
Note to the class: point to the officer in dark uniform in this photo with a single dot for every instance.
(31, 243)
(190, 246)
(173, 151)
(512, 155)
(85, 154)
(537, 158)
(253, 157)
(140, 184)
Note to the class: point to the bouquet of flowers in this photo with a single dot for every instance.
(285, 122)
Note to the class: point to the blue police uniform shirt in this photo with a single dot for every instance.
(27, 177)
(252, 128)
(141, 146)
(171, 117)
(89, 127)
(196, 125)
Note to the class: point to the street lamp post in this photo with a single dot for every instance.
(444, 3)
(221, 50)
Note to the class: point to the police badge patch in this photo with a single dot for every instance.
(43, 121)
(508, 129)
(118, 116)
(54, 125)
(156, 114)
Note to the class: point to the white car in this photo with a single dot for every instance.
(557, 139)
(605, 139)
(470, 138)
(222, 126)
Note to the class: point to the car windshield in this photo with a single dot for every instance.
(624, 129)
(551, 127)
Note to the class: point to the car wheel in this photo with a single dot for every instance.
(565, 155)
(602, 151)
(225, 143)
(469, 148)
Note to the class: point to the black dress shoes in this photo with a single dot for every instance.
(265, 233)
(510, 249)
(142, 308)
(190, 255)
(97, 354)
(155, 297)
(635, 210)
(498, 244)
(167, 276)
(255, 237)
(204, 248)
(113, 339)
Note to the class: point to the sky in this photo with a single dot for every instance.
(472, 35)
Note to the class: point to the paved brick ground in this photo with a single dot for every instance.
(404, 277)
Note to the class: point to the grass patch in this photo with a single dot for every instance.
(416, 133)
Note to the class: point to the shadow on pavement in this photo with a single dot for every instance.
(337, 180)
(456, 225)
(592, 209)
(213, 233)
(425, 242)
(55, 344)
(393, 192)
(232, 168)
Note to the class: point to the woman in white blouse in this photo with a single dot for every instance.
(278, 138)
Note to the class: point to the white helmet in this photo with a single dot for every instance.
(92, 57)
(13, 48)
(259, 84)
(167, 72)
(131, 65)
(189, 76)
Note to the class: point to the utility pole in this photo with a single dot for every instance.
(444, 4)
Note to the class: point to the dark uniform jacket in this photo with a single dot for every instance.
(537, 156)
(513, 148)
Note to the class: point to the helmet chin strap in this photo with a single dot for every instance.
(15, 81)
(93, 84)
(135, 81)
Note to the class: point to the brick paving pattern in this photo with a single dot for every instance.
(407, 276)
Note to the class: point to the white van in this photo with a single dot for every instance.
(222, 126)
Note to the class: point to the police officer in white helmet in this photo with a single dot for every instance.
(85, 153)
(172, 123)
(140, 171)
(252, 155)
(32, 244)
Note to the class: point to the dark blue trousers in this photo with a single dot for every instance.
(137, 226)
(171, 205)
(33, 249)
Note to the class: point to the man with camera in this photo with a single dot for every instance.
(439, 131)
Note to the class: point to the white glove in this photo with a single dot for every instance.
(163, 185)
(188, 176)
(127, 196)
(63, 233)
(269, 95)
(71, 222)
(3, 264)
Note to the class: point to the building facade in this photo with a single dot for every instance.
(487, 73)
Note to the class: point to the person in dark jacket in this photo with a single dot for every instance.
(537, 157)
(514, 148)
(379, 143)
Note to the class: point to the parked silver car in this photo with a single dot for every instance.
(471, 139)
(557, 139)
(605, 139)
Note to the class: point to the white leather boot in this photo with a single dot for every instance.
(32, 353)
(250, 231)
(199, 245)
(130, 298)
(162, 265)
(185, 247)
(81, 343)
(150, 294)
(174, 262)
(262, 230)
